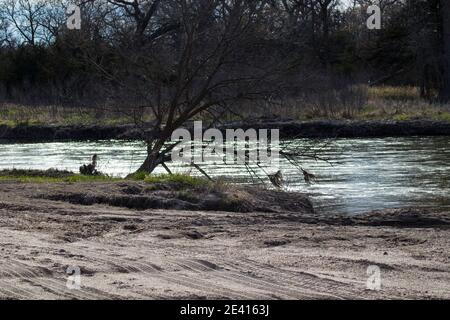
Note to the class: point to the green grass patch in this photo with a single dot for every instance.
(140, 176)
(37, 179)
(401, 117)
(182, 179)
(57, 176)
(49, 176)
(443, 116)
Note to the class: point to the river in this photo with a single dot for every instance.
(361, 175)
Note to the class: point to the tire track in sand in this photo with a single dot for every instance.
(267, 287)
(174, 277)
(59, 285)
(46, 281)
(302, 285)
(334, 289)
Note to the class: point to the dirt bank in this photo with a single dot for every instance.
(288, 129)
(288, 252)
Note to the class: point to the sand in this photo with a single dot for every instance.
(177, 254)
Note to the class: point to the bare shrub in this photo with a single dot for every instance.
(338, 103)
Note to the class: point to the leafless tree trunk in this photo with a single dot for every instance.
(185, 58)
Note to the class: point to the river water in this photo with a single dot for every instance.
(361, 175)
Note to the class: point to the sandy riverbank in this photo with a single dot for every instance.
(290, 252)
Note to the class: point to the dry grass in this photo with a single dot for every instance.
(405, 110)
(394, 93)
(14, 115)
(364, 103)
(402, 103)
(352, 103)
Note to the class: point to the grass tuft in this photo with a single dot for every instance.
(54, 176)
(182, 179)
(49, 176)
(140, 176)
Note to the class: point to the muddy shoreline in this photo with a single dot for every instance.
(284, 252)
(288, 129)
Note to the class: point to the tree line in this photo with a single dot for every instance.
(180, 59)
(316, 43)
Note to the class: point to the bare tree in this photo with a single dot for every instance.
(25, 17)
(5, 35)
(211, 59)
(144, 13)
(52, 19)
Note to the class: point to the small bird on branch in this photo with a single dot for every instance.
(276, 179)
(308, 177)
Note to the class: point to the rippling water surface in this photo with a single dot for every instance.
(364, 174)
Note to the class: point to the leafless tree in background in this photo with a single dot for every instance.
(25, 16)
(174, 59)
(5, 35)
(187, 58)
(181, 59)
